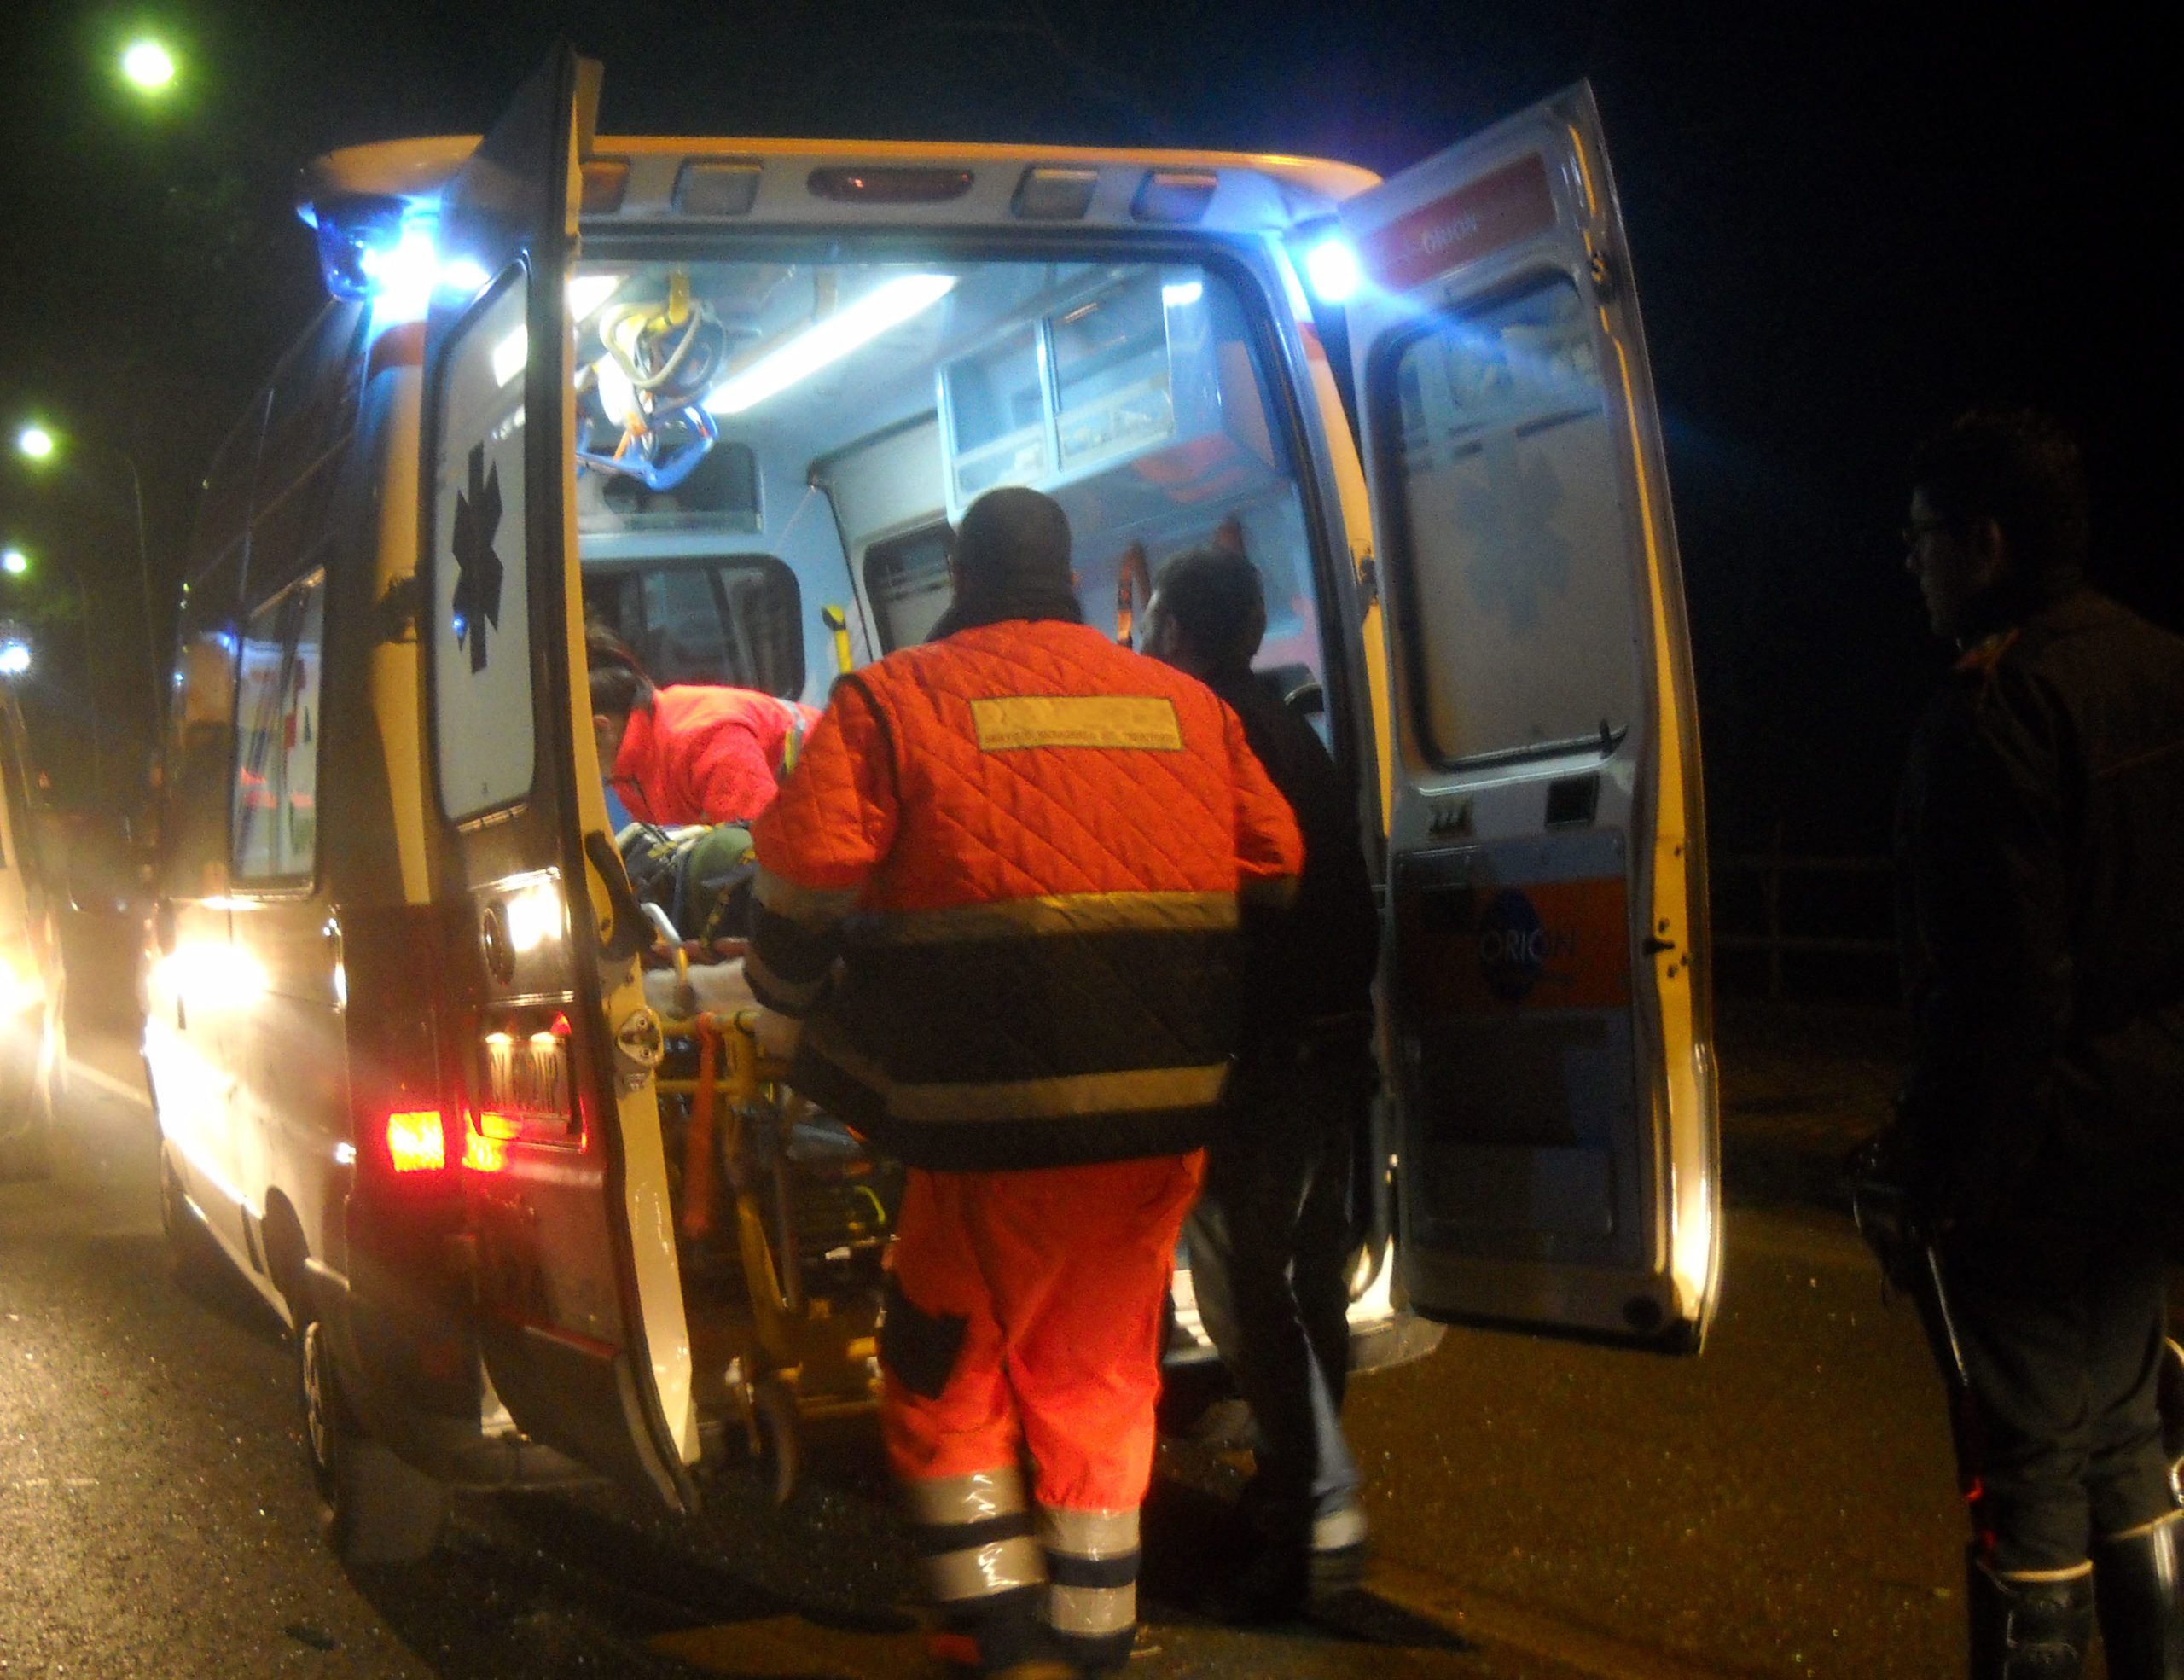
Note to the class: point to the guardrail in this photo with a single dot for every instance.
(1772, 869)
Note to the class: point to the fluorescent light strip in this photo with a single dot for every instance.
(829, 341)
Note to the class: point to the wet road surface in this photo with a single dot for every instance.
(1781, 1506)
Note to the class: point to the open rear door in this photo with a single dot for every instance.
(1554, 1076)
(579, 1297)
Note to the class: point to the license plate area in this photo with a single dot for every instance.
(522, 1079)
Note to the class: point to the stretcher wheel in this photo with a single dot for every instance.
(773, 1414)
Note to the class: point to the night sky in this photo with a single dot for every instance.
(1845, 226)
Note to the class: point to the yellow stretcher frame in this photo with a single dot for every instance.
(804, 1364)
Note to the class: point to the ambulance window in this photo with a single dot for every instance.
(906, 577)
(1511, 509)
(734, 621)
(484, 735)
(276, 819)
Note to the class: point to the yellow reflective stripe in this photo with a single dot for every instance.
(1148, 1089)
(1273, 891)
(820, 907)
(1091, 1611)
(1137, 723)
(979, 1572)
(973, 1499)
(1088, 1533)
(1058, 913)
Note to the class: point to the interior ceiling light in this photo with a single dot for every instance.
(826, 342)
(587, 291)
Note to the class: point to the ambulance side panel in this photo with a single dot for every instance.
(1553, 1063)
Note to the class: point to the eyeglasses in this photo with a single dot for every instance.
(1917, 531)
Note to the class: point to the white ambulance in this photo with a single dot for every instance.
(726, 395)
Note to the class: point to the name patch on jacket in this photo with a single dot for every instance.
(1141, 723)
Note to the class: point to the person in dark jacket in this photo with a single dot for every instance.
(1270, 1239)
(2041, 854)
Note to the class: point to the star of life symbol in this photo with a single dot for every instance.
(478, 569)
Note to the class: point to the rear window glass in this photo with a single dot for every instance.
(1514, 547)
(733, 620)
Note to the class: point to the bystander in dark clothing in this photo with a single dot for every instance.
(2041, 851)
(1271, 1237)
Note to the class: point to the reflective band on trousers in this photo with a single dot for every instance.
(972, 1498)
(979, 1572)
(1086, 1533)
(1337, 1529)
(1091, 1610)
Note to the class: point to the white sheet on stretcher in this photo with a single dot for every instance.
(715, 988)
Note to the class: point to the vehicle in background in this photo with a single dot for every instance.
(726, 396)
(33, 1056)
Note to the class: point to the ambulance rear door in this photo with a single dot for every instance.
(1550, 1045)
(549, 1040)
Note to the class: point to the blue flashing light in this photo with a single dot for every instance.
(1333, 270)
(383, 251)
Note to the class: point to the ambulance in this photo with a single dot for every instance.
(725, 395)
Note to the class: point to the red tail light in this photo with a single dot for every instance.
(415, 1141)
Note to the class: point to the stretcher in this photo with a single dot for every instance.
(778, 1198)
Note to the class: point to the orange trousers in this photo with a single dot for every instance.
(1059, 1277)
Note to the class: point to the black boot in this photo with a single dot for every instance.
(2028, 1630)
(2141, 1597)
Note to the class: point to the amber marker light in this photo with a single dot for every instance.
(414, 1142)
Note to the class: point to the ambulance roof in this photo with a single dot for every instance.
(644, 175)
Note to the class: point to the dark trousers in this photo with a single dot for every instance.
(1270, 1244)
(2060, 1323)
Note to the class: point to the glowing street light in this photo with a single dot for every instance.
(15, 656)
(34, 443)
(147, 67)
(14, 562)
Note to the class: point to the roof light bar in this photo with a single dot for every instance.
(826, 342)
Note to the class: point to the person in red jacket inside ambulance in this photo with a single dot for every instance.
(1000, 905)
(690, 753)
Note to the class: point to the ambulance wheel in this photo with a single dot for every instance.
(375, 1508)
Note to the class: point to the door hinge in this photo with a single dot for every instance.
(400, 609)
(1654, 947)
(1369, 583)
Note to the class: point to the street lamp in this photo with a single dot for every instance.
(15, 656)
(14, 562)
(147, 67)
(37, 444)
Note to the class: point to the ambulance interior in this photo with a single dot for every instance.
(804, 432)
(771, 456)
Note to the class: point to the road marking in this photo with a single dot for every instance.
(99, 1079)
(1489, 1622)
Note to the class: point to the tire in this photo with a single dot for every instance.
(374, 1508)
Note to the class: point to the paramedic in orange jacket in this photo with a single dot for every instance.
(693, 753)
(1048, 842)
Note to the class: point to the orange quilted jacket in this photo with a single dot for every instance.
(1028, 847)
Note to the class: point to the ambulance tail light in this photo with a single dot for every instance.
(416, 1140)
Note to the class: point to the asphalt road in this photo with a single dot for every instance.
(1780, 1506)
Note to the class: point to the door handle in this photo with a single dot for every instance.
(628, 931)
